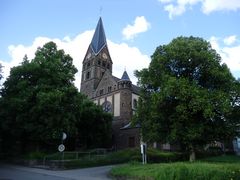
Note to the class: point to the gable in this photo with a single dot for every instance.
(107, 84)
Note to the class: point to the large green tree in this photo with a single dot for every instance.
(186, 95)
(39, 100)
(94, 125)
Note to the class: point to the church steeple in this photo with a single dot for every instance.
(99, 38)
(96, 61)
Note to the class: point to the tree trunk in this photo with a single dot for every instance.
(192, 156)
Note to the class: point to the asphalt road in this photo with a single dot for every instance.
(11, 172)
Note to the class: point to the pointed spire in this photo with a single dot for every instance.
(125, 76)
(99, 38)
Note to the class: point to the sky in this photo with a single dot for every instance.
(134, 29)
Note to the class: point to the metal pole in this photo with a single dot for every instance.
(63, 159)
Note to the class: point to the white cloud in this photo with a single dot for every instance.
(127, 57)
(209, 6)
(122, 55)
(230, 55)
(178, 7)
(174, 10)
(165, 1)
(214, 42)
(140, 25)
(230, 40)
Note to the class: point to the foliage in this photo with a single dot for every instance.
(223, 159)
(157, 156)
(94, 125)
(234, 116)
(39, 102)
(89, 159)
(35, 155)
(186, 95)
(177, 171)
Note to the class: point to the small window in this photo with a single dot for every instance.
(99, 62)
(134, 103)
(108, 66)
(88, 75)
(109, 88)
(104, 64)
(88, 64)
(101, 92)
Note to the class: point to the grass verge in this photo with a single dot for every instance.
(217, 168)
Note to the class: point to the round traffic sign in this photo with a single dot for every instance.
(64, 136)
(61, 148)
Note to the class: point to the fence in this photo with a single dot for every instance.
(75, 155)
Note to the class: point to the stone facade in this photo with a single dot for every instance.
(116, 95)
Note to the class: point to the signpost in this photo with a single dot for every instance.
(61, 147)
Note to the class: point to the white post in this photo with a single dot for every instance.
(143, 152)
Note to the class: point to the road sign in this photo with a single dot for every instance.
(64, 136)
(61, 148)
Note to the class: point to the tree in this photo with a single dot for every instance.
(186, 95)
(234, 115)
(39, 100)
(38, 96)
(94, 125)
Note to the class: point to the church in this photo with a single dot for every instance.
(117, 96)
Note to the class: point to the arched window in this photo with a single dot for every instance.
(88, 75)
(134, 103)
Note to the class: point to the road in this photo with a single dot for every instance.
(12, 172)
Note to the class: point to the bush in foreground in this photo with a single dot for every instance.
(118, 157)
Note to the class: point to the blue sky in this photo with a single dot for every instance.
(134, 28)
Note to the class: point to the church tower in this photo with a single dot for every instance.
(96, 61)
(117, 96)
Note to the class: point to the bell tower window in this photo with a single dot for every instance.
(135, 104)
(101, 92)
(88, 75)
(104, 63)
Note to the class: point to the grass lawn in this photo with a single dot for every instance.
(216, 168)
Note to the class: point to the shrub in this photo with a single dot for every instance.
(34, 155)
(156, 156)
